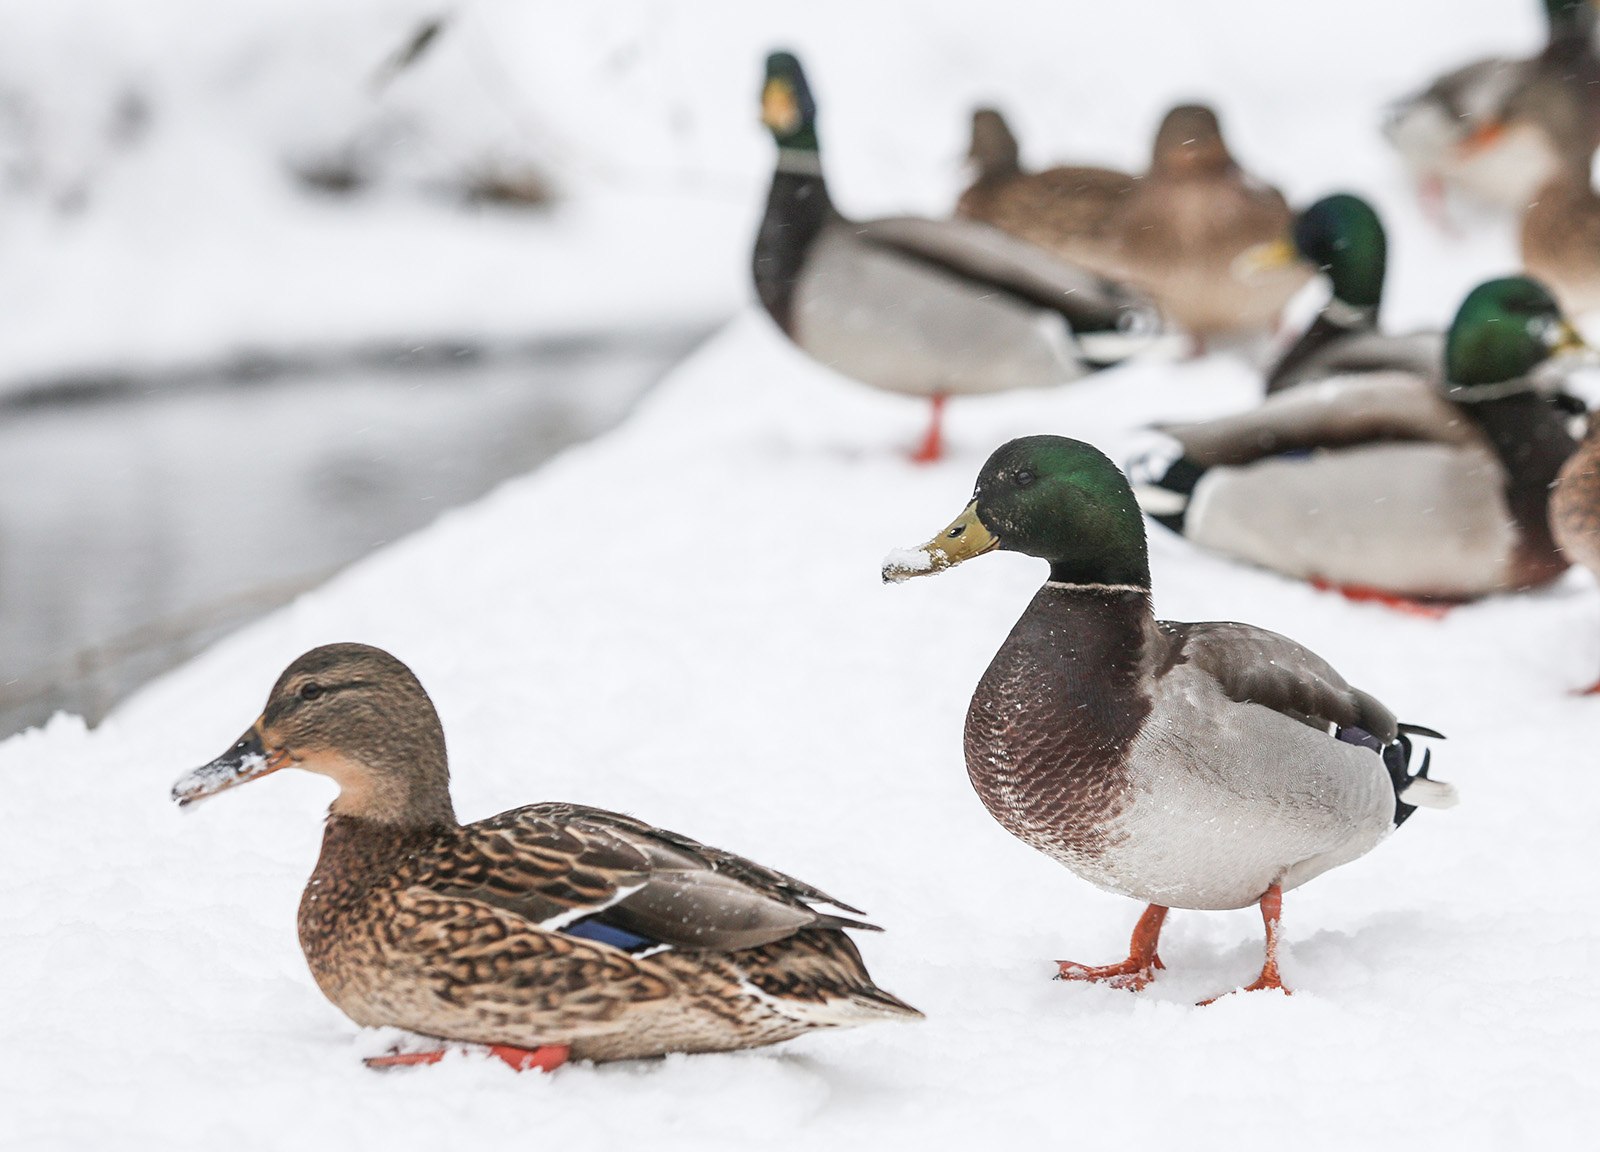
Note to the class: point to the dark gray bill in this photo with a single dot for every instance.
(247, 760)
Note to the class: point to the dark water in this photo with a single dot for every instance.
(142, 519)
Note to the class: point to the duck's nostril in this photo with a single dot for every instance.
(956, 531)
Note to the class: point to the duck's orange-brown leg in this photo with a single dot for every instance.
(933, 443)
(1140, 966)
(1271, 916)
(1362, 594)
(546, 1058)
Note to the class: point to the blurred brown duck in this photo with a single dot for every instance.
(545, 932)
(1561, 239)
(1069, 210)
(1575, 508)
(1187, 233)
(1499, 128)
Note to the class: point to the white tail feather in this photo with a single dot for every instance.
(1429, 794)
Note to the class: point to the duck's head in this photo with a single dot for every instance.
(1342, 235)
(1047, 496)
(1569, 17)
(352, 713)
(1190, 140)
(994, 150)
(787, 108)
(1504, 330)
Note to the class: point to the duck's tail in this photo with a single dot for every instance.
(1413, 790)
(1163, 480)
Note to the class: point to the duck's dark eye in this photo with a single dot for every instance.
(310, 690)
(1023, 478)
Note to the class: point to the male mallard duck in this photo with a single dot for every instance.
(1202, 766)
(926, 307)
(1342, 236)
(1561, 239)
(1575, 507)
(1387, 483)
(1186, 232)
(545, 931)
(1068, 210)
(1500, 128)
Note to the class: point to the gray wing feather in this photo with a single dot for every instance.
(1253, 665)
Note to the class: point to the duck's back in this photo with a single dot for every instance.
(1069, 210)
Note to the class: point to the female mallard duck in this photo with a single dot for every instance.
(1387, 485)
(1068, 210)
(546, 931)
(926, 307)
(1186, 232)
(1575, 508)
(1201, 766)
(1500, 128)
(1342, 236)
(1561, 239)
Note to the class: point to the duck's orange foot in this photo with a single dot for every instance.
(1131, 974)
(1362, 594)
(932, 447)
(1591, 690)
(546, 1058)
(1262, 983)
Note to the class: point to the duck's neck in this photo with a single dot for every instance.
(1530, 438)
(1052, 720)
(797, 208)
(357, 852)
(1337, 321)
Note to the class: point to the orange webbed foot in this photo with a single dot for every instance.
(546, 1058)
(1131, 974)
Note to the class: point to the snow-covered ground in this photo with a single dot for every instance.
(684, 620)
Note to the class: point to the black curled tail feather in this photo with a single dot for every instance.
(1397, 758)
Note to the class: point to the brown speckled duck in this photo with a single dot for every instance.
(1575, 508)
(545, 931)
(1204, 766)
(1186, 232)
(1069, 210)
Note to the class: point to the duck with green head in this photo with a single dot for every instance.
(1202, 766)
(1391, 484)
(1499, 128)
(548, 931)
(930, 308)
(1343, 237)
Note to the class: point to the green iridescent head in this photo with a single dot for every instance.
(1503, 330)
(787, 108)
(1047, 496)
(1343, 236)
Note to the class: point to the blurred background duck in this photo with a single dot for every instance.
(930, 308)
(1561, 239)
(545, 932)
(1575, 508)
(1497, 129)
(1393, 485)
(1208, 765)
(1343, 237)
(1070, 210)
(1186, 232)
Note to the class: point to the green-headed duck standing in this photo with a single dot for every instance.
(930, 308)
(545, 932)
(1392, 485)
(1200, 766)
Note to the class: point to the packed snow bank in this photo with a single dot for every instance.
(149, 212)
(686, 621)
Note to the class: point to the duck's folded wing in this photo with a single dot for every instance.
(1253, 665)
(606, 877)
(980, 253)
(1328, 414)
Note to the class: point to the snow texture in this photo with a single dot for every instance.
(596, 632)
